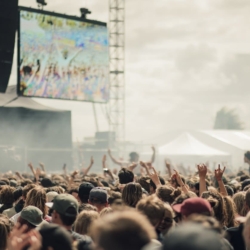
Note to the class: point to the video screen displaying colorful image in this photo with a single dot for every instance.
(63, 58)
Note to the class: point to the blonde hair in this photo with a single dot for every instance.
(131, 194)
(106, 210)
(239, 201)
(84, 221)
(37, 197)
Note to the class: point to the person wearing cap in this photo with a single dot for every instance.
(98, 197)
(83, 192)
(64, 212)
(195, 205)
(32, 217)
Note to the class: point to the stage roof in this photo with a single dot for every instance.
(8, 100)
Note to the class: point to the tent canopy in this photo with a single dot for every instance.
(235, 138)
(186, 145)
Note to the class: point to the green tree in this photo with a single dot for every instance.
(228, 119)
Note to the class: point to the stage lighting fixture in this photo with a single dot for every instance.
(84, 13)
(41, 2)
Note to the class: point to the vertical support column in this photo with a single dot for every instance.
(117, 72)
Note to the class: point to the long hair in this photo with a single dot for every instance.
(5, 229)
(131, 194)
(217, 203)
(84, 221)
(37, 197)
(239, 201)
(231, 212)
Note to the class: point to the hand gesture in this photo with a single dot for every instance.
(73, 175)
(91, 160)
(104, 158)
(218, 173)
(202, 170)
(154, 177)
(30, 166)
(168, 164)
(178, 178)
(41, 165)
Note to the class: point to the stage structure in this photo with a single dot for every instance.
(117, 72)
(33, 132)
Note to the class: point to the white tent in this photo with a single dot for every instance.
(188, 150)
(186, 145)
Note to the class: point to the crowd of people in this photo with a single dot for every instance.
(199, 208)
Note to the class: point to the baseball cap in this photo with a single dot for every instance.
(62, 202)
(33, 215)
(46, 182)
(84, 190)
(56, 237)
(192, 236)
(51, 196)
(98, 194)
(194, 205)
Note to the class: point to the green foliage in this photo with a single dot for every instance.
(228, 119)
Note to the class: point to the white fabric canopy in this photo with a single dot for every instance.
(187, 145)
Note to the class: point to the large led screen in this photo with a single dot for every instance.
(62, 57)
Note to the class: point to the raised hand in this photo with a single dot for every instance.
(202, 170)
(178, 178)
(91, 160)
(218, 173)
(104, 158)
(154, 177)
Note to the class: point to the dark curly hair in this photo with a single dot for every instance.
(167, 193)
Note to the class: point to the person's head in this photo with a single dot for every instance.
(122, 231)
(105, 211)
(192, 236)
(217, 203)
(230, 190)
(18, 194)
(55, 237)
(239, 201)
(194, 205)
(26, 189)
(74, 192)
(98, 197)
(37, 197)
(153, 186)
(167, 193)
(84, 190)
(247, 157)
(144, 181)
(65, 210)
(84, 221)
(247, 200)
(31, 216)
(153, 208)
(207, 221)
(86, 207)
(131, 194)
(168, 220)
(246, 231)
(5, 229)
(47, 183)
(125, 176)
(133, 157)
(113, 197)
(50, 196)
(245, 183)
(6, 195)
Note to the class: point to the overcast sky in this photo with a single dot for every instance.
(185, 59)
